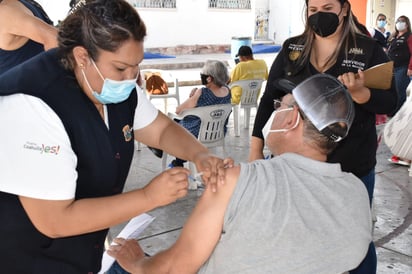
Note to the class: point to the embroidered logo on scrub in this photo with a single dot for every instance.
(295, 51)
(356, 51)
(127, 133)
(46, 149)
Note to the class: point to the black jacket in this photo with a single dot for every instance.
(357, 152)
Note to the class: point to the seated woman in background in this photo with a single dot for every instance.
(214, 76)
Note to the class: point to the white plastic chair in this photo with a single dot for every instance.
(172, 83)
(211, 132)
(248, 100)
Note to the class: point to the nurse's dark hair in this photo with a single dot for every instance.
(98, 24)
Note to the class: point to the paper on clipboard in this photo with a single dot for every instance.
(379, 76)
(131, 231)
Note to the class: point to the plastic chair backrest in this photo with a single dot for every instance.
(248, 100)
(212, 126)
(212, 122)
(250, 91)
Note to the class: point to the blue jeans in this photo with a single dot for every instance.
(116, 269)
(402, 81)
(369, 182)
(369, 263)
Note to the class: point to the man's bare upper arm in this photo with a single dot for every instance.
(201, 232)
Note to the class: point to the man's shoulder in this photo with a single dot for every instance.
(251, 64)
(259, 61)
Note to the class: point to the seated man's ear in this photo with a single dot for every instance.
(291, 119)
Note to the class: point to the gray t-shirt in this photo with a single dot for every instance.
(295, 215)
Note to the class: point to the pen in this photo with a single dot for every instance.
(195, 177)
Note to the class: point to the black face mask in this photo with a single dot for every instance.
(324, 23)
(203, 78)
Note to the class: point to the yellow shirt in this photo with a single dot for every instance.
(246, 70)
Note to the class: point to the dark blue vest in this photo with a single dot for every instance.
(399, 50)
(11, 58)
(104, 157)
(381, 38)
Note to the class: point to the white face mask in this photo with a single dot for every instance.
(401, 26)
(267, 128)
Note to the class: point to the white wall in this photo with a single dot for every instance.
(286, 19)
(192, 22)
(55, 9)
(404, 7)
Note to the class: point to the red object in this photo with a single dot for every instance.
(380, 119)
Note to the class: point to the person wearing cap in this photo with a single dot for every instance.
(248, 68)
(294, 213)
(214, 76)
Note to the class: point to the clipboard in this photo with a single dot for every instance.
(379, 76)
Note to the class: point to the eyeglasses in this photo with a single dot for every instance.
(277, 104)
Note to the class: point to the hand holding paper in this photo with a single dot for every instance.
(131, 231)
(379, 76)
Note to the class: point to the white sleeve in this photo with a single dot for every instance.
(36, 157)
(145, 112)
